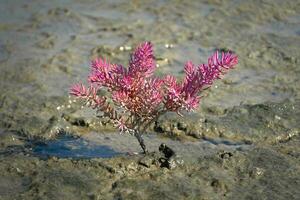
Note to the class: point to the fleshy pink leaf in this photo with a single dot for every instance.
(141, 97)
(142, 61)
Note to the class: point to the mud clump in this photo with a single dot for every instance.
(230, 174)
(167, 158)
(261, 123)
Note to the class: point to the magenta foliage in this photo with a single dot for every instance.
(139, 98)
(142, 61)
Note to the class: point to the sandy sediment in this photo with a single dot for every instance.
(242, 143)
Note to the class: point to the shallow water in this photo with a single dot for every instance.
(95, 145)
(71, 147)
(188, 150)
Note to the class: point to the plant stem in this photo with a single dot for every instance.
(139, 137)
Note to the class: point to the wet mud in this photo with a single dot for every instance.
(242, 143)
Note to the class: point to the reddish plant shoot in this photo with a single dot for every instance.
(136, 98)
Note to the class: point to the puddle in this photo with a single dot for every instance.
(71, 147)
(225, 142)
(189, 150)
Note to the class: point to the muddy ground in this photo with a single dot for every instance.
(242, 143)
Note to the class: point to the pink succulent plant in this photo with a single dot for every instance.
(139, 98)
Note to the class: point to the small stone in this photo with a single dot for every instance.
(225, 155)
(256, 172)
(18, 170)
(131, 167)
(170, 159)
(277, 117)
(219, 185)
(146, 161)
